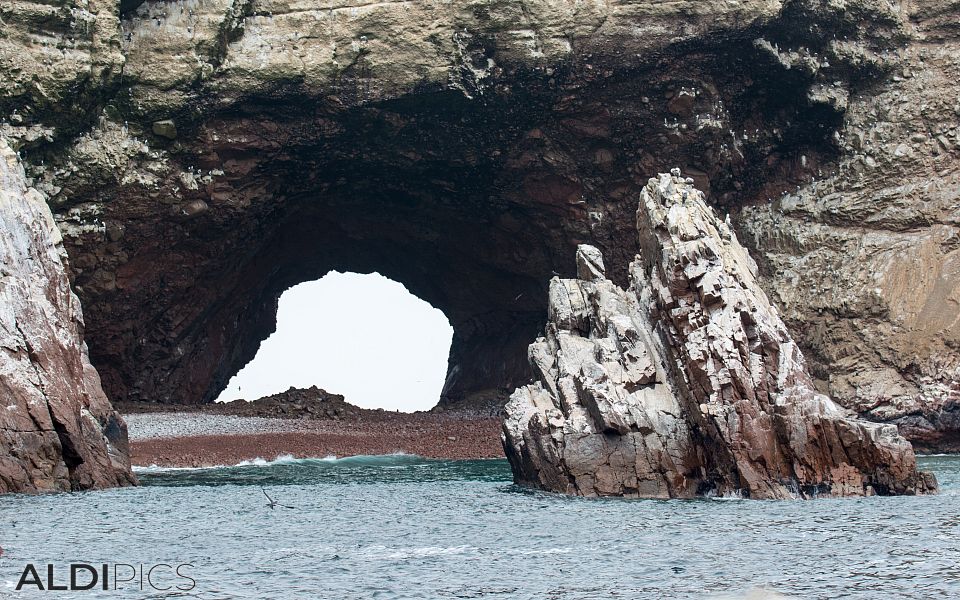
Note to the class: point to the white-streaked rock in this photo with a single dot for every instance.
(57, 429)
(688, 382)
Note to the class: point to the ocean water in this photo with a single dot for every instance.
(406, 527)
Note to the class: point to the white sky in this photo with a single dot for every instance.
(363, 336)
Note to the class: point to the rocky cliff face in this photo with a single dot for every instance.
(861, 258)
(57, 429)
(688, 382)
(201, 157)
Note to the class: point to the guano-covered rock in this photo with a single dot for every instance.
(688, 382)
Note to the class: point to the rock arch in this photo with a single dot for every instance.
(472, 203)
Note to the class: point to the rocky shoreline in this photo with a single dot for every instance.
(188, 439)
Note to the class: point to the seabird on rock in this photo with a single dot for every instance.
(273, 503)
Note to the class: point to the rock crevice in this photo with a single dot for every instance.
(687, 383)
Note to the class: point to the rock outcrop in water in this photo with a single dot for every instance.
(57, 429)
(687, 383)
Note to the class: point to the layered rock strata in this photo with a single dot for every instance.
(863, 258)
(57, 428)
(687, 383)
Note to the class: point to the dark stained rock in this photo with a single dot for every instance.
(310, 403)
(294, 403)
(688, 382)
(57, 428)
(313, 403)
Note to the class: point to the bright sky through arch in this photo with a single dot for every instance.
(363, 336)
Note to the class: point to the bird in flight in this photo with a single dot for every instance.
(273, 503)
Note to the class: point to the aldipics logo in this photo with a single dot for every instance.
(160, 577)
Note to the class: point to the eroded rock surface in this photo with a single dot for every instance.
(863, 258)
(462, 148)
(57, 429)
(201, 157)
(686, 383)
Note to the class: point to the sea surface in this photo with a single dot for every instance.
(406, 527)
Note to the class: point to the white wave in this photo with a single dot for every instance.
(426, 551)
(394, 553)
(537, 551)
(154, 468)
(283, 459)
(728, 495)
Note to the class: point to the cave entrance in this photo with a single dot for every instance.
(361, 335)
(193, 299)
(473, 205)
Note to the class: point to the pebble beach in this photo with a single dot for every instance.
(197, 439)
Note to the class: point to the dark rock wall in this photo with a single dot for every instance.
(472, 204)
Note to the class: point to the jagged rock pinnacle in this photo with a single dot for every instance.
(688, 382)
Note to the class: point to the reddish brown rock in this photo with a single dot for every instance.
(57, 428)
(424, 434)
(687, 383)
(296, 403)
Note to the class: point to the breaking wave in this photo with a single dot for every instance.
(289, 459)
(289, 470)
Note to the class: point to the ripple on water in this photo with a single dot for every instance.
(408, 527)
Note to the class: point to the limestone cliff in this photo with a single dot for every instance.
(687, 383)
(57, 429)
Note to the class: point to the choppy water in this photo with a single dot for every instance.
(405, 527)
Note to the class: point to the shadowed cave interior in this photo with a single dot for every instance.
(472, 204)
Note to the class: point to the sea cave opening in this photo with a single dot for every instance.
(472, 205)
(364, 336)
